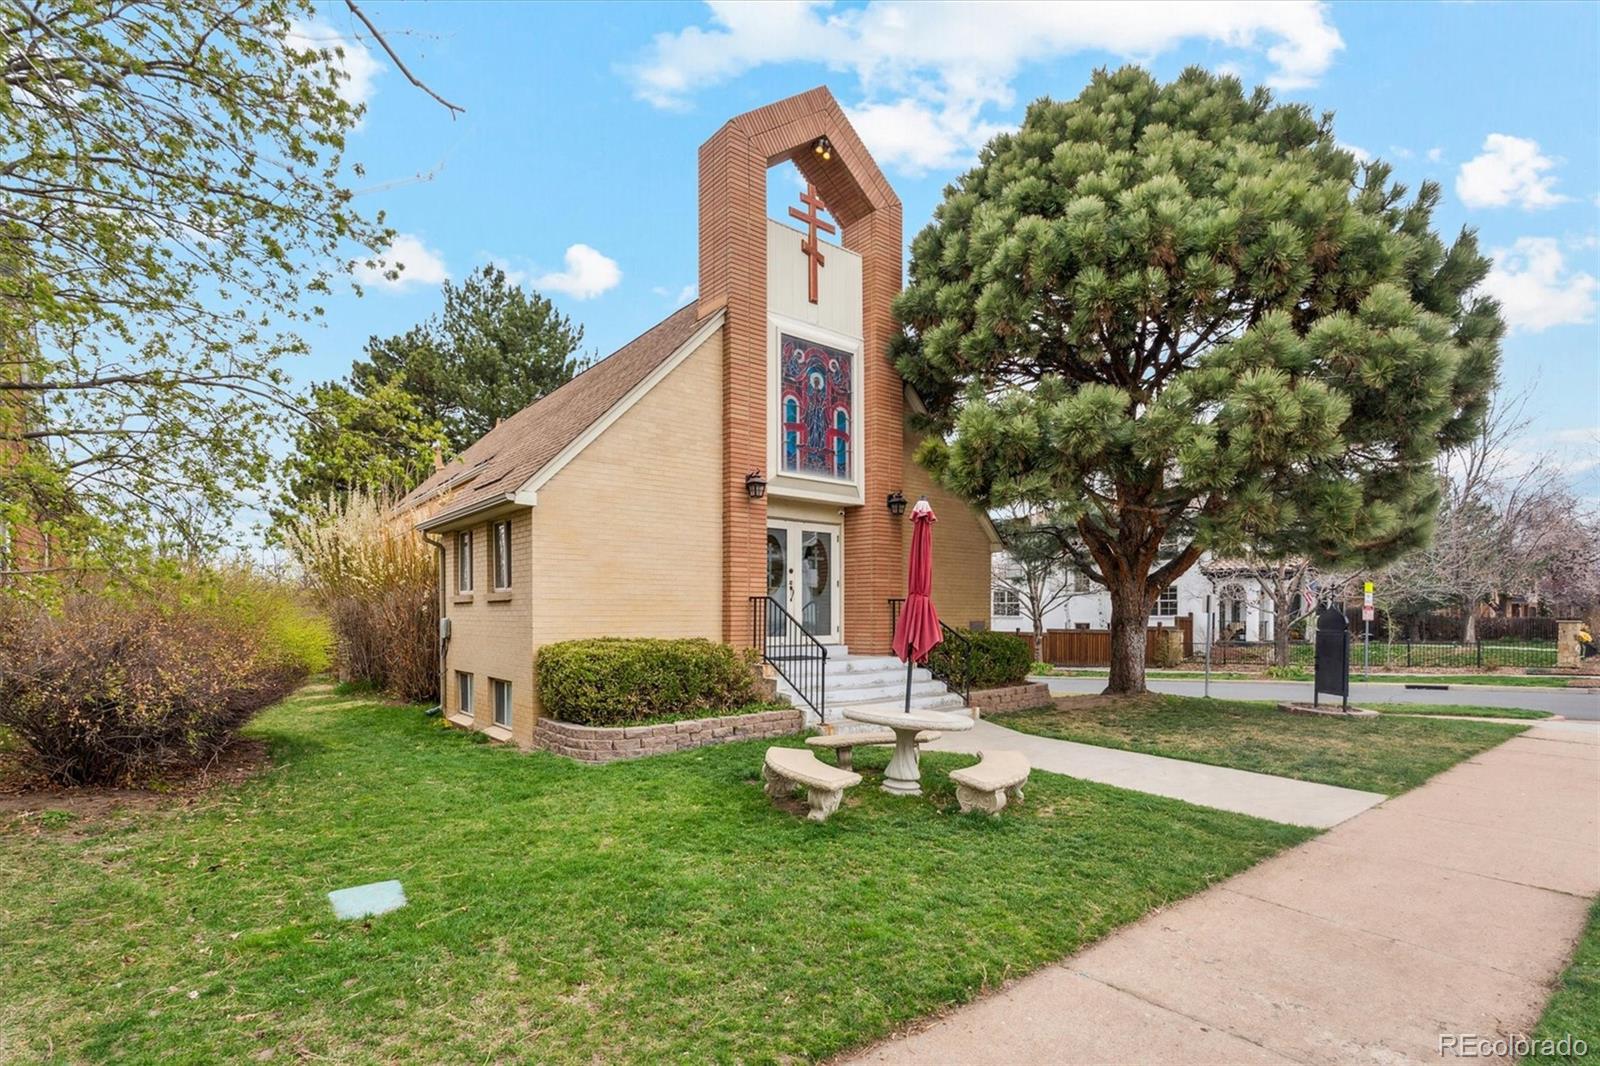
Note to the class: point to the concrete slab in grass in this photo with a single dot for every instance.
(365, 901)
(1280, 799)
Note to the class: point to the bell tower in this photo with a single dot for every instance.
(845, 182)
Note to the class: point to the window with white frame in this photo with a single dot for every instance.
(464, 561)
(1167, 603)
(464, 693)
(502, 555)
(502, 701)
(1007, 603)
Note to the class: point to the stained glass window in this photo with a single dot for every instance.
(816, 405)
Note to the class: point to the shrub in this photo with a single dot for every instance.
(109, 691)
(377, 582)
(997, 660)
(618, 681)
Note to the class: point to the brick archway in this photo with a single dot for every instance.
(733, 258)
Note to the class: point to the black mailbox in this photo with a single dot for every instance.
(1333, 655)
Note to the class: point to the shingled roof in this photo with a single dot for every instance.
(503, 459)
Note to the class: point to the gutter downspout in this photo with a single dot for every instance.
(444, 642)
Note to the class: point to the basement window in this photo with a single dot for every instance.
(502, 702)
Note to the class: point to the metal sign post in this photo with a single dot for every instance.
(1366, 632)
(1208, 648)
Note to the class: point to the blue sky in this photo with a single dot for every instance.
(574, 165)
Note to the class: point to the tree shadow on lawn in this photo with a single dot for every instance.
(635, 911)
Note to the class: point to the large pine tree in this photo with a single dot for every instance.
(1179, 317)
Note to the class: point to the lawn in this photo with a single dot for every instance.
(658, 909)
(1454, 710)
(1388, 755)
(1574, 1010)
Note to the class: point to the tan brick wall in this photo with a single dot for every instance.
(961, 549)
(490, 633)
(599, 745)
(627, 537)
(1015, 698)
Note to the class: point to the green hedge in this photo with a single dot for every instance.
(625, 681)
(998, 660)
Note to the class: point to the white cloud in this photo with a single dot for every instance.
(689, 292)
(1435, 155)
(414, 263)
(1535, 288)
(588, 274)
(927, 71)
(916, 136)
(1510, 171)
(358, 67)
(1361, 154)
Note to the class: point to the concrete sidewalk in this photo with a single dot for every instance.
(1281, 799)
(1450, 909)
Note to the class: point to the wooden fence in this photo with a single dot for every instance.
(1092, 647)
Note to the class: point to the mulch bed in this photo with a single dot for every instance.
(25, 793)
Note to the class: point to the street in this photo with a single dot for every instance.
(1581, 704)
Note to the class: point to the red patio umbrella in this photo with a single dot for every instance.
(917, 631)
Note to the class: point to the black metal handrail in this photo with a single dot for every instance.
(936, 668)
(936, 664)
(798, 657)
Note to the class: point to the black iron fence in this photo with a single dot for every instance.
(1451, 626)
(798, 657)
(1397, 654)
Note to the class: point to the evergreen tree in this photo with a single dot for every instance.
(495, 349)
(381, 442)
(1179, 317)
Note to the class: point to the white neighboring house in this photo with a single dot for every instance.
(1240, 609)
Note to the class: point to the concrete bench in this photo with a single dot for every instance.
(786, 768)
(843, 745)
(986, 786)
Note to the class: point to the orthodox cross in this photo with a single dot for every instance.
(808, 243)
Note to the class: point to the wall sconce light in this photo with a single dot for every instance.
(823, 147)
(897, 503)
(755, 485)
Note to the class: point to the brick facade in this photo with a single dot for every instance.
(1013, 698)
(733, 268)
(597, 744)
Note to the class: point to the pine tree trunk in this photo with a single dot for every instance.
(1130, 615)
(1038, 637)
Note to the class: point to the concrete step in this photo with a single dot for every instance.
(852, 691)
(939, 701)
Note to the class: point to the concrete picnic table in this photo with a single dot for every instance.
(903, 777)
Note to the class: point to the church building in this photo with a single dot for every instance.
(739, 468)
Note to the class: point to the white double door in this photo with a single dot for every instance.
(805, 573)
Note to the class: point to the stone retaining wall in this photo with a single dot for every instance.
(1014, 698)
(598, 744)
